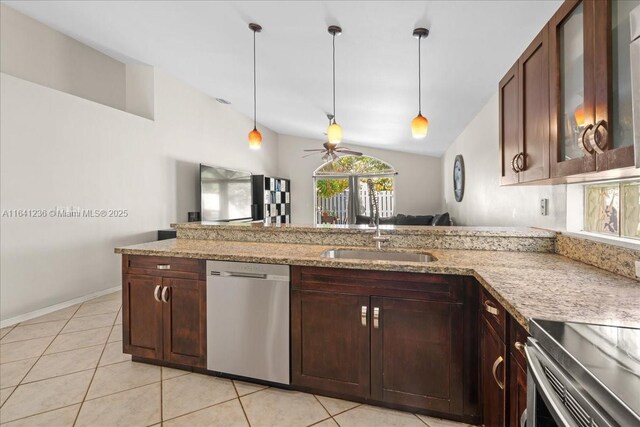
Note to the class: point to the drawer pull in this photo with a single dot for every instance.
(165, 294)
(156, 293)
(363, 315)
(163, 266)
(376, 317)
(489, 308)
(520, 347)
(497, 363)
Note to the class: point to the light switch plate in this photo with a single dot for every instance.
(544, 207)
(637, 268)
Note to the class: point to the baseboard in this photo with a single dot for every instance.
(52, 308)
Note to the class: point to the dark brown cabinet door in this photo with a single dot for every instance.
(533, 111)
(330, 342)
(590, 87)
(142, 316)
(417, 353)
(184, 316)
(509, 138)
(517, 392)
(492, 376)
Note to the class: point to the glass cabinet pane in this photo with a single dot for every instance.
(572, 115)
(621, 124)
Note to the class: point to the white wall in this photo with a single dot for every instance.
(418, 184)
(59, 150)
(35, 52)
(485, 202)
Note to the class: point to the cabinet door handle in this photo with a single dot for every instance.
(520, 161)
(165, 294)
(156, 293)
(363, 315)
(520, 347)
(163, 266)
(514, 167)
(497, 363)
(583, 135)
(376, 317)
(489, 308)
(594, 138)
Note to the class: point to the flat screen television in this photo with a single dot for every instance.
(225, 194)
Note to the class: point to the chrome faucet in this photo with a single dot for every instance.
(375, 216)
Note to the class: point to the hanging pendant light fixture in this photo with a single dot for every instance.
(420, 124)
(334, 132)
(255, 138)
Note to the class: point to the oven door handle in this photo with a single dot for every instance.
(543, 387)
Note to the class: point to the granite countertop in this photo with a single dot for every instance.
(357, 229)
(528, 284)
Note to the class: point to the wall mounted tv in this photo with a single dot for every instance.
(225, 194)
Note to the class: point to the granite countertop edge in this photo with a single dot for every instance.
(487, 275)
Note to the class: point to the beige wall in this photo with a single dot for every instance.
(59, 150)
(485, 202)
(39, 54)
(418, 184)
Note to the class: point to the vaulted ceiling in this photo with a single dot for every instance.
(208, 45)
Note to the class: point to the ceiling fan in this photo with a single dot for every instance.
(332, 151)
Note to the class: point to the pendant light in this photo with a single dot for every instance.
(255, 138)
(420, 124)
(334, 132)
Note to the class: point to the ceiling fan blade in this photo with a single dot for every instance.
(319, 150)
(350, 152)
(309, 155)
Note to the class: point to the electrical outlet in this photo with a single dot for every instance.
(544, 207)
(638, 269)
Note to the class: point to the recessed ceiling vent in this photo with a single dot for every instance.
(223, 101)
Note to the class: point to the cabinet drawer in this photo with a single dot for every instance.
(494, 313)
(517, 338)
(421, 286)
(184, 268)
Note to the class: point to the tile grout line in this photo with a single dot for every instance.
(421, 420)
(39, 357)
(198, 410)
(323, 407)
(246, 417)
(94, 372)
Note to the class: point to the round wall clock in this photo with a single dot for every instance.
(458, 177)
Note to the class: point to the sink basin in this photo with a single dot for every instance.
(377, 255)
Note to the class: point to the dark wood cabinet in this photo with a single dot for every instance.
(142, 316)
(331, 342)
(184, 317)
(503, 367)
(493, 374)
(524, 116)
(164, 309)
(416, 353)
(509, 121)
(408, 340)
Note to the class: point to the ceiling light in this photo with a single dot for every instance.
(255, 138)
(334, 131)
(420, 124)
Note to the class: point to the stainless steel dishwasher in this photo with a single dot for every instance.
(248, 320)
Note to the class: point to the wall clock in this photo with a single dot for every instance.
(458, 177)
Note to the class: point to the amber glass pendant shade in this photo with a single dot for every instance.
(334, 133)
(255, 139)
(419, 126)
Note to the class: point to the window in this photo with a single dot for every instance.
(342, 193)
(613, 209)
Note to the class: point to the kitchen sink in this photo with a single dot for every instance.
(377, 255)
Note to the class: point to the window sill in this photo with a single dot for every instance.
(623, 242)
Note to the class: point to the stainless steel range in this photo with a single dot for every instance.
(582, 375)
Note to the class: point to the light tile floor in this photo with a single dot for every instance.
(67, 368)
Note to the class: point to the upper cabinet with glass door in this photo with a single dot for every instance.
(591, 119)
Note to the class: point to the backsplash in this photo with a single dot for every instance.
(608, 257)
